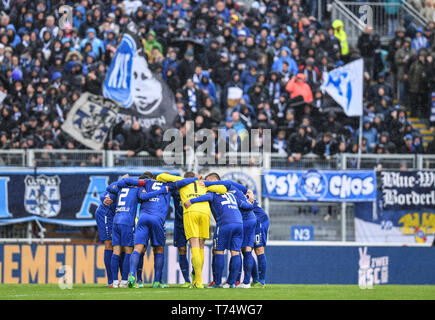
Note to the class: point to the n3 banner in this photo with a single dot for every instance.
(68, 196)
(314, 185)
(408, 190)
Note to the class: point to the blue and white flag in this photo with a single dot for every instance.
(143, 94)
(345, 86)
(90, 120)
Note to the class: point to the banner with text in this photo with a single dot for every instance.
(408, 190)
(67, 265)
(66, 196)
(324, 185)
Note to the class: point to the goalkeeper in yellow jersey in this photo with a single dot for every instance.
(196, 219)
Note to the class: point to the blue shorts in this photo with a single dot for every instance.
(179, 236)
(228, 237)
(261, 230)
(150, 227)
(104, 219)
(249, 233)
(122, 235)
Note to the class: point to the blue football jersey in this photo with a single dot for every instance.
(225, 208)
(126, 204)
(247, 211)
(154, 198)
(178, 208)
(112, 207)
(259, 212)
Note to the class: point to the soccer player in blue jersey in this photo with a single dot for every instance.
(104, 218)
(180, 241)
(155, 198)
(229, 228)
(261, 230)
(249, 224)
(127, 198)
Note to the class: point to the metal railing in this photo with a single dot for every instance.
(89, 158)
(352, 25)
(12, 158)
(65, 158)
(385, 17)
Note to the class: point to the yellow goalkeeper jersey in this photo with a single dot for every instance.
(191, 191)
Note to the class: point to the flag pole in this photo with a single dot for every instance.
(360, 141)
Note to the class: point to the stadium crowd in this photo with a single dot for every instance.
(274, 51)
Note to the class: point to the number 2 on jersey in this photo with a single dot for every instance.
(122, 195)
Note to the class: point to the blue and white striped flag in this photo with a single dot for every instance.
(345, 86)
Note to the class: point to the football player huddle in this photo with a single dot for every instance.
(241, 229)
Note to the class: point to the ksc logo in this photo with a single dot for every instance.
(313, 185)
(42, 195)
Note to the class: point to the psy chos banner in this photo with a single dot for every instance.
(66, 196)
(316, 185)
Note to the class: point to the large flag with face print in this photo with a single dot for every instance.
(143, 94)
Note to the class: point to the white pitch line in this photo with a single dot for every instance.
(71, 292)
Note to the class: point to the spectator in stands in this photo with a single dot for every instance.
(326, 146)
(367, 49)
(417, 90)
(403, 59)
(298, 145)
(133, 137)
(340, 34)
(297, 87)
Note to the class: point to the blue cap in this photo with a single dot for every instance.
(408, 137)
(17, 75)
(229, 119)
(56, 76)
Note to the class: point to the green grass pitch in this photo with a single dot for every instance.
(175, 292)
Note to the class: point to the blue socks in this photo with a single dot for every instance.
(235, 267)
(254, 272)
(262, 264)
(139, 267)
(239, 274)
(159, 260)
(247, 266)
(125, 267)
(218, 268)
(184, 266)
(134, 260)
(115, 266)
(108, 265)
(121, 261)
(213, 267)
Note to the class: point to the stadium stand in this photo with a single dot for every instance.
(257, 46)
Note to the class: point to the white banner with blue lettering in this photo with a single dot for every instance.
(324, 185)
(345, 86)
(143, 94)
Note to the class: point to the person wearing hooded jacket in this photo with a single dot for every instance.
(340, 34)
(97, 44)
(207, 86)
(298, 87)
(285, 55)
